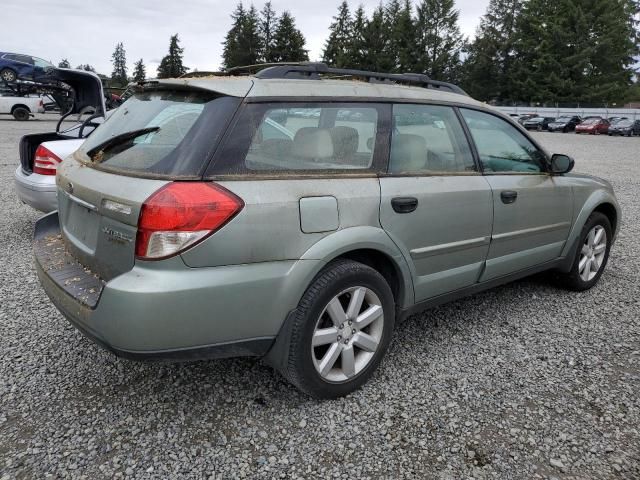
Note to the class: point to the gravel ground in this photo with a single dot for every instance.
(524, 381)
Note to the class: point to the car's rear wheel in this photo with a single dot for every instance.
(21, 114)
(8, 75)
(592, 254)
(341, 330)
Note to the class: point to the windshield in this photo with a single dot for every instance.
(623, 123)
(536, 119)
(39, 62)
(563, 119)
(591, 121)
(160, 133)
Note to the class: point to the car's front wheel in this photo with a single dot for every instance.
(592, 254)
(341, 330)
(8, 75)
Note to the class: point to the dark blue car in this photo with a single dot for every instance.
(14, 66)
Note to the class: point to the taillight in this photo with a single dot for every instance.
(45, 162)
(181, 214)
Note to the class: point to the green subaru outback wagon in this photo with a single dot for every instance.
(299, 212)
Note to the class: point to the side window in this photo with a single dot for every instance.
(318, 137)
(428, 139)
(502, 147)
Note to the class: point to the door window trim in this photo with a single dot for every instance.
(474, 148)
(476, 163)
(380, 152)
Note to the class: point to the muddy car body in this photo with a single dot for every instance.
(190, 226)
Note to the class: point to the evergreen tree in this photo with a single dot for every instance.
(243, 43)
(402, 35)
(171, 64)
(288, 41)
(491, 54)
(340, 33)
(268, 24)
(439, 41)
(64, 63)
(356, 49)
(119, 61)
(377, 54)
(569, 51)
(139, 71)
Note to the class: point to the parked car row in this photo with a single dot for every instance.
(593, 125)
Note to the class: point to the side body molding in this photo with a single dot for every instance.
(364, 237)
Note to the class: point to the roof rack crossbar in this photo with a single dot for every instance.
(314, 70)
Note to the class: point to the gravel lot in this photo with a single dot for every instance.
(525, 381)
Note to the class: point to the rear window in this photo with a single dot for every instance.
(312, 137)
(161, 133)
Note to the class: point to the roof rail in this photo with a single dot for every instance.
(315, 71)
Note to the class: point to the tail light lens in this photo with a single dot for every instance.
(45, 162)
(182, 214)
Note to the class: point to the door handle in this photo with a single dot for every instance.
(404, 204)
(508, 196)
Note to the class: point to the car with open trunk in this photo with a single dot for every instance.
(297, 213)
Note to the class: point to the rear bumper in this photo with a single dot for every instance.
(37, 191)
(168, 311)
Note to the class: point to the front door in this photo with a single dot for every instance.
(532, 210)
(435, 204)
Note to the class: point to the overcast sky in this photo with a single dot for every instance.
(86, 31)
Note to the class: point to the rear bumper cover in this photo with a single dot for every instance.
(168, 311)
(37, 191)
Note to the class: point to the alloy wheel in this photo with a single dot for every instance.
(8, 75)
(347, 334)
(593, 253)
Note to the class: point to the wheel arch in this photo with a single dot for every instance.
(609, 210)
(365, 244)
(370, 246)
(599, 201)
(20, 105)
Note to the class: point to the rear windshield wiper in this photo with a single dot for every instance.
(118, 139)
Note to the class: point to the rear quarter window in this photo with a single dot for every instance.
(274, 138)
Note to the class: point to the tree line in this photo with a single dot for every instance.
(533, 51)
(263, 37)
(171, 65)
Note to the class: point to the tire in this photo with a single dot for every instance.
(577, 279)
(21, 114)
(8, 75)
(321, 370)
(565, 130)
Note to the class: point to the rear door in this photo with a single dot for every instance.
(532, 210)
(435, 204)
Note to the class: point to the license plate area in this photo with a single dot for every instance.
(82, 225)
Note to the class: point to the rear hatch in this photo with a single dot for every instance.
(157, 136)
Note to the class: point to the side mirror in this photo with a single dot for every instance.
(561, 164)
